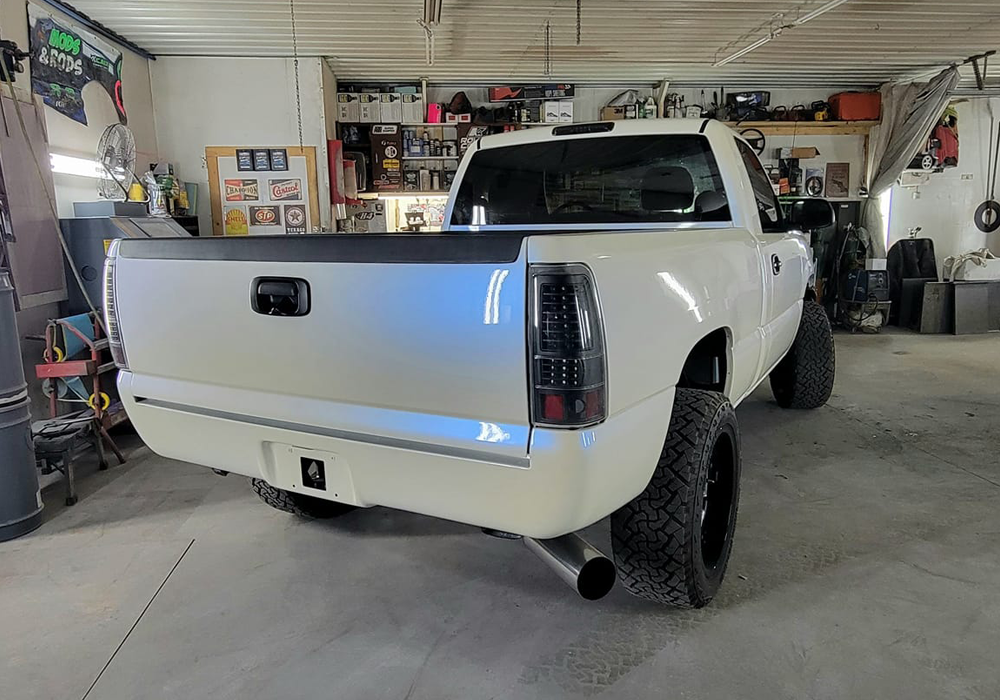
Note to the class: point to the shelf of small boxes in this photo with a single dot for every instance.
(428, 151)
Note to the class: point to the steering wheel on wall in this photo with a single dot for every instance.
(755, 139)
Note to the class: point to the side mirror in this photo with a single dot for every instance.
(811, 214)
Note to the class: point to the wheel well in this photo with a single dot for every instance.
(810, 294)
(707, 365)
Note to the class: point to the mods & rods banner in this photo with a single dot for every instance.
(64, 60)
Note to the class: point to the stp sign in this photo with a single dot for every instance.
(265, 216)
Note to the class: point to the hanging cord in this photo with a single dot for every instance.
(548, 48)
(98, 317)
(295, 63)
(989, 152)
(996, 162)
(534, 37)
(579, 21)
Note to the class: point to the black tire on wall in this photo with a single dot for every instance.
(297, 503)
(672, 542)
(804, 377)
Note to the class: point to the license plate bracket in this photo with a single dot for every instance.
(313, 472)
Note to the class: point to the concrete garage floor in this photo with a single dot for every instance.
(867, 565)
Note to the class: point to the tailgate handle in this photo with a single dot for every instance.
(280, 296)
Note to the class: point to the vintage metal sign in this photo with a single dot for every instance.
(235, 221)
(295, 218)
(242, 190)
(286, 190)
(265, 216)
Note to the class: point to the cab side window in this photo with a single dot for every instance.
(767, 202)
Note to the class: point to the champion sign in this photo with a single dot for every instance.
(286, 190)
(241, 191)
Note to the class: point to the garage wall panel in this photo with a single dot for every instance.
(203, 102)
(945, 206)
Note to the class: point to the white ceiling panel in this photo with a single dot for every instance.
(859, 42)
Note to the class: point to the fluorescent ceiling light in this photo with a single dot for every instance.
(821, 10)
(432, 11)
(71, 165)
(744, 51)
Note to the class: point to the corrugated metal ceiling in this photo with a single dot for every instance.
(860, 42)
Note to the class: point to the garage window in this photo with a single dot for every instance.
(607, 180)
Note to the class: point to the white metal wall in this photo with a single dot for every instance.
(203, 102)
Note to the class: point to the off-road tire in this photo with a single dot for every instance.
(657, 538)
(297, 503)
(804, 377)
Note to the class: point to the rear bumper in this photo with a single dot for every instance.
(567, 481)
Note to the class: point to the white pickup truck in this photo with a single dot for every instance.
(570, 348)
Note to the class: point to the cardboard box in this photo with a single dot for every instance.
(387, 165)
(414, 111)
(623, 112)
(799, 152)
(348, 108)
(566, 111)
(369, 108)
(550, 112)
(450, 118)
(390, 107)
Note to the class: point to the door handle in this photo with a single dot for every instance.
(775, 264)
(279, 296)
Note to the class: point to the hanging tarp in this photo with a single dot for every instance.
(65, 59)
(909, 113)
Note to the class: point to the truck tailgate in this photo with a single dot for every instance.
(414, 340)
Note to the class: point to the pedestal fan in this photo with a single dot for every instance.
(116, 154)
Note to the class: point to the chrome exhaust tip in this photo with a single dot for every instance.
(577, 562)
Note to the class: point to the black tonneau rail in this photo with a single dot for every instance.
(334, 247)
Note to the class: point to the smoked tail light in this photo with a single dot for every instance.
(111, 309)
(566, 345)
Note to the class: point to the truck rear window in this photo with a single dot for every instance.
(605, 180)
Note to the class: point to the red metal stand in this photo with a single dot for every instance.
(92, 369)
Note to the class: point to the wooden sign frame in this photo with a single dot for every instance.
(212, 155)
